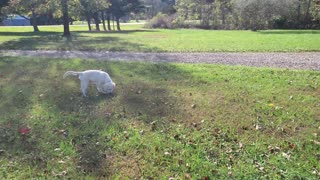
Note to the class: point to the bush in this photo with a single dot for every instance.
(161, 21)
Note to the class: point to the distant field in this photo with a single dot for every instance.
(135, 38)
(164, 120)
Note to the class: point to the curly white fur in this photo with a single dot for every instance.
(100, 78)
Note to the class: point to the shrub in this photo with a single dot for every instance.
(161, 21)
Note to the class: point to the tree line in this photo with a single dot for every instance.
(65, 11)
(244, 14)
(208, 14)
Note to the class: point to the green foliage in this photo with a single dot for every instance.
(163, 120)
(247, 14)
(3, 3)
(163, 21)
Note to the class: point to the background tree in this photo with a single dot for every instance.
(153, 7)
(315, 11)
(92, 9)
(65, 17)
(31, 8)
(247, 14)
(3, 3)
(121, 8)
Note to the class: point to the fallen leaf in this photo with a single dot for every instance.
(142, 132)
(275, 149)
(192, 142)
(258, 127)
(271, 105)
(24, 131)
(240, 145)
(63, 173)
(187, 176)
(292, 146)
(316, 142)
(287, 156)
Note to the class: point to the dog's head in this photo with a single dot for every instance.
(109, 87)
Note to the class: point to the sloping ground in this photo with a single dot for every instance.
(306, 61)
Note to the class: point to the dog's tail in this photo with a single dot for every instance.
(71, 73)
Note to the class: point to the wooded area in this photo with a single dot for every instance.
(207, 14)
(242, 14)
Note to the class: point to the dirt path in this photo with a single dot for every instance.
(307, 60)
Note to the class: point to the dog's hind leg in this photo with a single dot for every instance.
(84, 86)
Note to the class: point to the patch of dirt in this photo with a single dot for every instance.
(294, 60)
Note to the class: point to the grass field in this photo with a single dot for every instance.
(164, 120)
(135, 38)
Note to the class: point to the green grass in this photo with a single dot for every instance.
(163, 120)
(135, 38)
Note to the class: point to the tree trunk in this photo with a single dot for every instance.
(96, 20)
(34, 21)
(103, 21)
(66, 29)
(108, 21)
(307, 17)
(118, 23)
(298, 12)
(88, 21)
(113, 22)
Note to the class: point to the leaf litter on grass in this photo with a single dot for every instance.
(150, 127)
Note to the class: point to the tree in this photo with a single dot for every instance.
(26, 7)
(91, 9)
(153, 7)
(65, 16)
(3, 3)
(315, 12)
(121, 8)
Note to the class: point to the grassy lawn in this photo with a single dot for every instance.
(164, 120)
(135, 38)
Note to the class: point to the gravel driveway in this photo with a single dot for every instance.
(306, 60)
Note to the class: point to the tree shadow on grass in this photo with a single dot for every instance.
(18, 81)
(149, 95)
(26, 34)
(73, 33)
(58, 104)
(284, 32)
(116, 32)
(54, 41)
(147, 101)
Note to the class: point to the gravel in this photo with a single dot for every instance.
(299, 60)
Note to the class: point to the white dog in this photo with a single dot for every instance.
(100, 78)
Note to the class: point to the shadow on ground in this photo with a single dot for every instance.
(290, 32)
(34, 95)
(81, 40)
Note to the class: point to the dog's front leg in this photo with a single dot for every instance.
(99, 88)
(84, 86)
